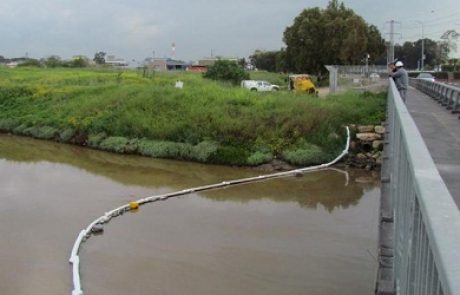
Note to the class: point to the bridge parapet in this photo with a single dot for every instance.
(420, 223)
(444, 94)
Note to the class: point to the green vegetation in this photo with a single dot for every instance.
(227, 71)
(323, 36)
(206, 121)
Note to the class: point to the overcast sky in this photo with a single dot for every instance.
(133, 29)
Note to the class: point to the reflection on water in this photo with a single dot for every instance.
(309, 191)
(295, 235)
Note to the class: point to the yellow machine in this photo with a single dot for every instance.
(301, 82)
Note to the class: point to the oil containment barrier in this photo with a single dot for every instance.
(97, 224)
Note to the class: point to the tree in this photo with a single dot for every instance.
(52, 61)
(99, 58)
(264, 60)
(453, 62)
(447, 45)
(79, 62)
(410, 53)
(335, 35)
(226, 70)
(30, 62)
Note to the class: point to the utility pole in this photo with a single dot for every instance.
(423, 47)
(391, 47)
(422, 59)
(391, 54)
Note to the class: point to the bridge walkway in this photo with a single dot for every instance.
(440, 130)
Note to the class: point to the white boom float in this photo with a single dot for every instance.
(89, 230)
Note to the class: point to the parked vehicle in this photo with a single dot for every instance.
(302, 82)
(426, 76)
(255, 85)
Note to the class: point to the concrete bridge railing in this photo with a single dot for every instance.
(421, 253)
(446, 95)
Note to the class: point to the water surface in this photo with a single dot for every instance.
(310, 235)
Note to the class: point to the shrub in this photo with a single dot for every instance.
(225, 70)
(95, 139)
(66, 134)
(20, 129)
(30, 62)
(204, 150)
(230, 155)
(308, 154)
(132, 145)
(165, 149)
(114, 144)
(31, 131)
(46, 132)
(7, 124)
(258, 158)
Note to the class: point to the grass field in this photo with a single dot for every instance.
(207, 121)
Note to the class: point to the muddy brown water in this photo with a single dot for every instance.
(300, 235)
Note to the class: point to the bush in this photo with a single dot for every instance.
(95, 139)
(204, 150)
(230, 155)
(132, 145)
(7, 125)
(32, 131)
(258, 158)
(31, 62)
(225, 70)
(20, 129)
(46, 132)
(308, 154)
(114, 144)
(165, 149)
(66, 135)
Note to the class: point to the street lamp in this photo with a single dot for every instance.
(367, 64)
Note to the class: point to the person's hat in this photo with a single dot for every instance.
(399, 64)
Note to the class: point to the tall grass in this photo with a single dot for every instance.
(206, 121)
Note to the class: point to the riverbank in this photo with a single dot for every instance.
(206, 121)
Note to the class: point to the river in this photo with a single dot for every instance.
(314, 234)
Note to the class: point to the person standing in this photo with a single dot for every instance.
(401, 79)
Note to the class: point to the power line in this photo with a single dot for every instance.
(439, 17)
(431, 33)
(440, 24)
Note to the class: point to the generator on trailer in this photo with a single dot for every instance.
(301, 82)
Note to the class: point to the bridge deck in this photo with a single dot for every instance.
(440, 130)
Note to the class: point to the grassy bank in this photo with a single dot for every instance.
(206, 121)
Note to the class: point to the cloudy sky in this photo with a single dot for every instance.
(135, 29)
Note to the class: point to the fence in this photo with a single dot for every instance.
(446, 95)
(364, 78)
(424, 258)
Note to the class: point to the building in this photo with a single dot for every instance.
(197, 69)
(209, 61)
(11, 64)
(166, 64)
(115, 62)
